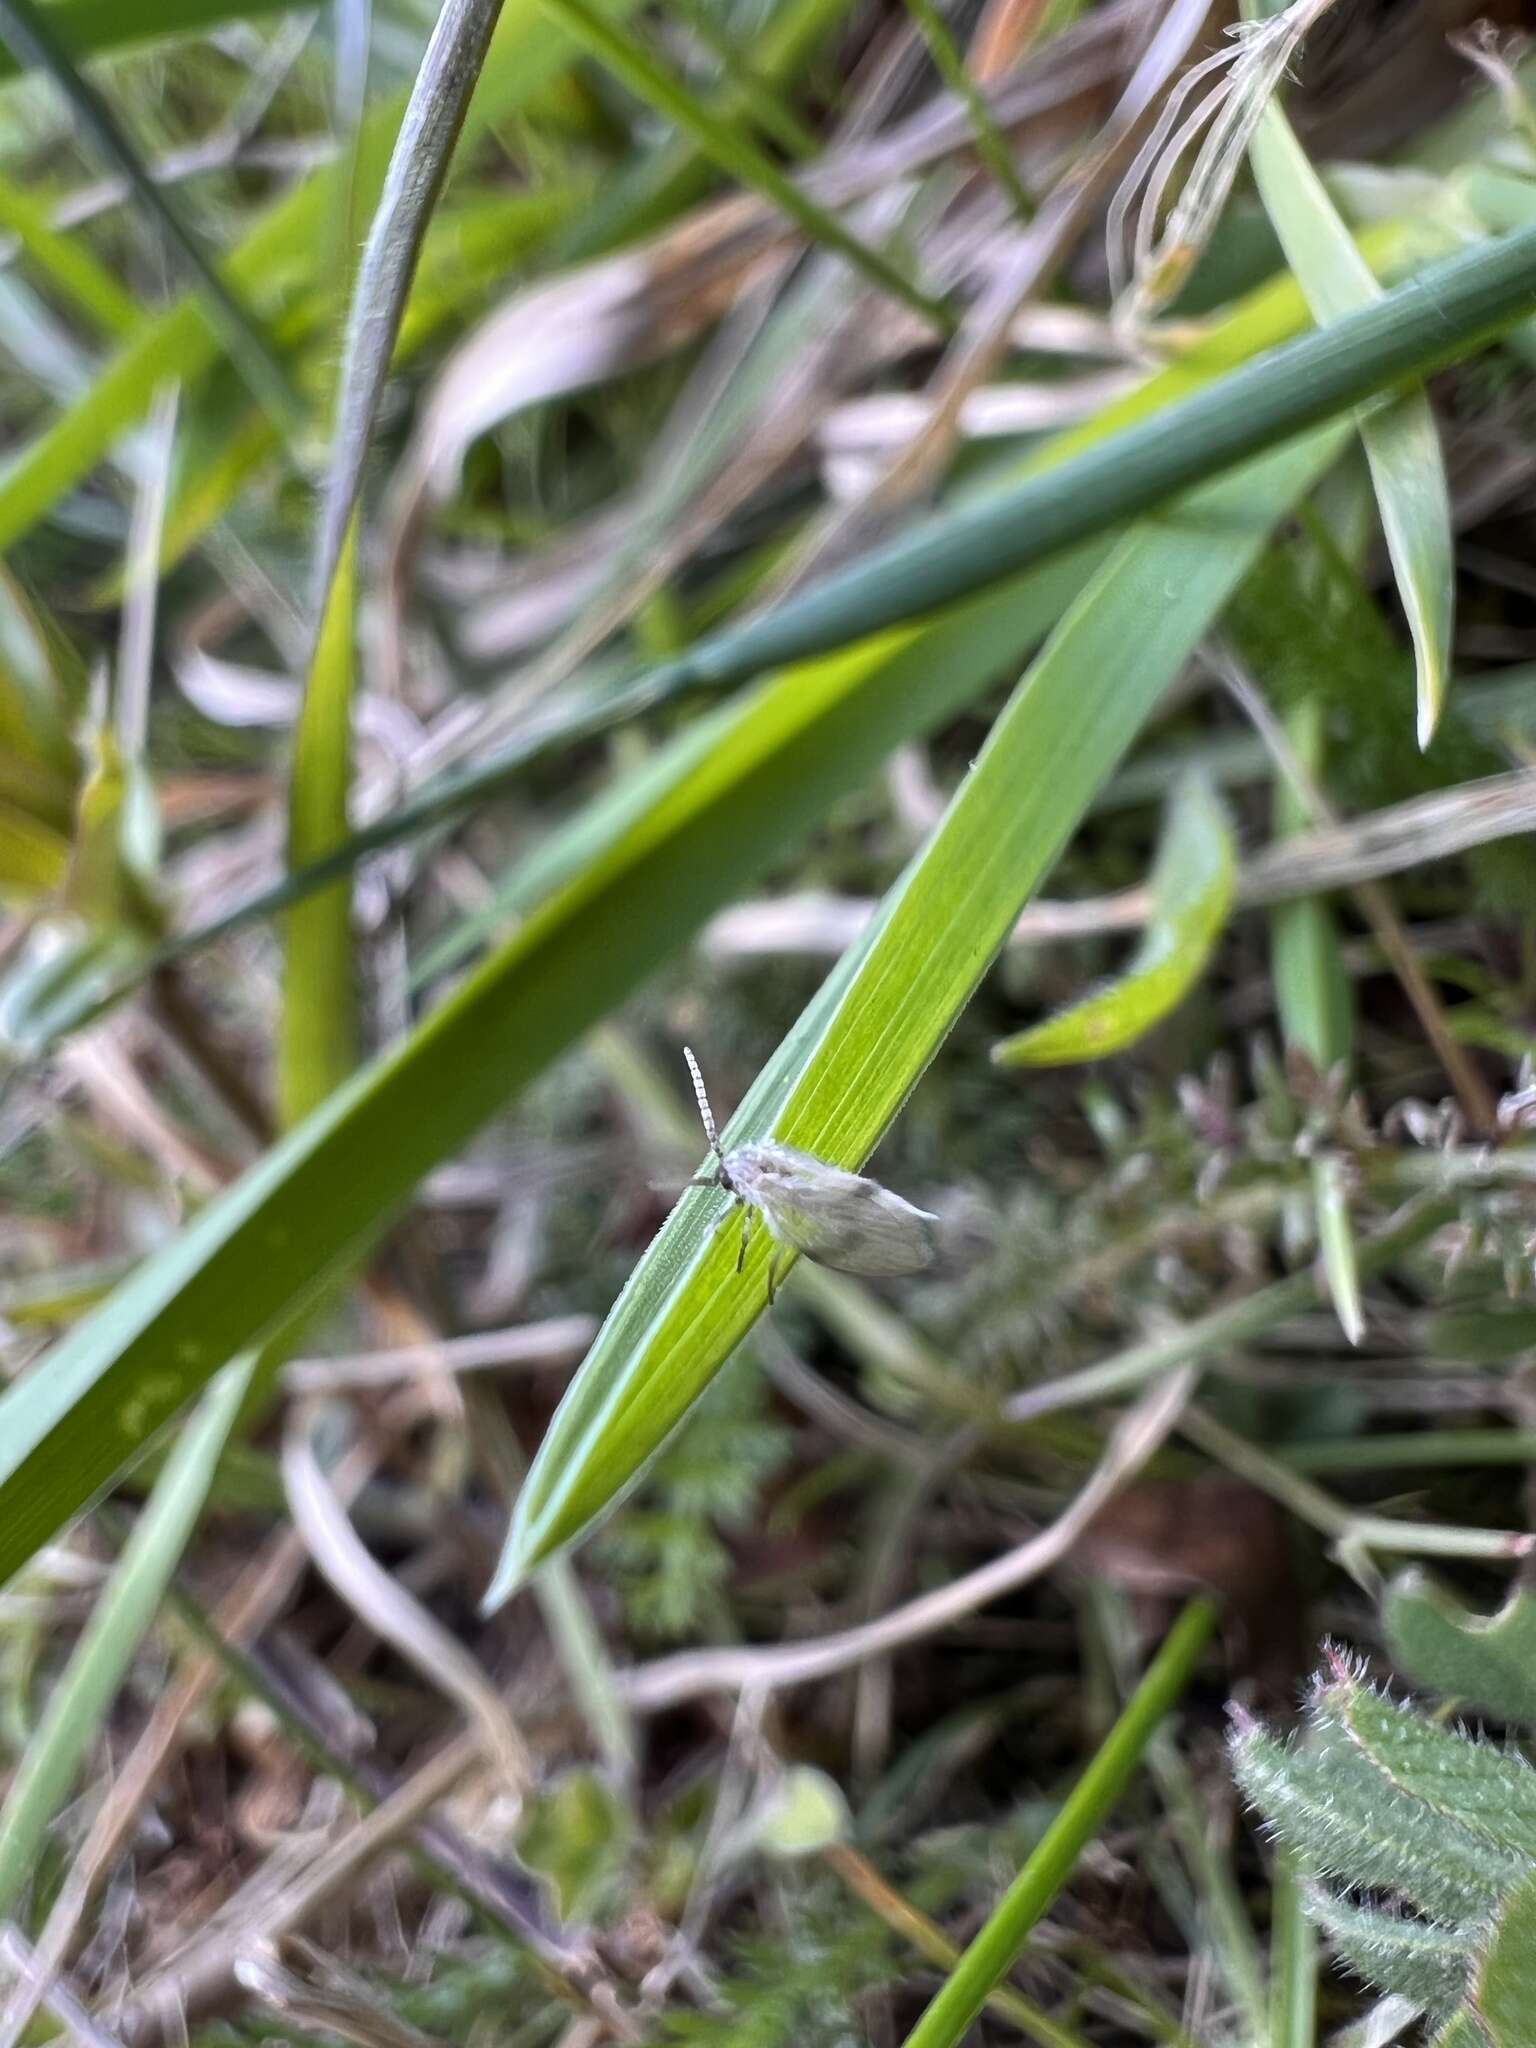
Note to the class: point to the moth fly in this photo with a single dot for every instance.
(840, 1219)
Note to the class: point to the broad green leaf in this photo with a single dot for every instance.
(1425, 1960)
(317, 1041)
(624, 885)
(1191, 886)
(1468, 1783)
(857, 1052)
(1401, 442)
(1487, 1660)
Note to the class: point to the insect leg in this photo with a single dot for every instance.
(773, 1272)
(746, 1225)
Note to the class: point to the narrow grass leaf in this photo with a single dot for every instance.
(1312, 988)
(82, 282)
(850, 1062)
(993, 1952)
(1336, 1239)
(317, 1041)
(1314, 1001)
(79, 1701)
(636, 878)
(429, 130)
(728, 144)
(85, 28)
(27, 31)
(1192, 887)
(1402, 444)
(1035, 518)
(278, 260)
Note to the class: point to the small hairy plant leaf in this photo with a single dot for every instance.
(1489, 1790)
(1487, 1660)
(1424, 1960)
(1343, 1819)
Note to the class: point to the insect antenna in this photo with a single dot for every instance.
(705, 1112)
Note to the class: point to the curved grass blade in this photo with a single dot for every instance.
(844, 1071)
(623, 886)
(1192, 888)
(1400, 439)
(995, 1949)
(317, 1042)
(433, 119)
(728, 143)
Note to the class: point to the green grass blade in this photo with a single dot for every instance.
(1192, 886)
(1269, 317)
(1437, 315)
(75, 274)
(434, 116)
(1315, 1004)
(317, 1044)
(729, 146)
(79, 1701)
(27, 32)
(844, 1071)
(991, 144)
(85, 28)
(279, 257)
(996, 1948)
(1312, 988)
(1401, 442)
(625, 885)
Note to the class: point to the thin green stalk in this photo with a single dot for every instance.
(1333, 1518)
(730, 148)
(991, 145)
(996, 1948)
(1292, 1962)
(1413, 1450)
(1221, 1329)
(755, 94)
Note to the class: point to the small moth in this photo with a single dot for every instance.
(837, 1218)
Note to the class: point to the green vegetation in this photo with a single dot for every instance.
(539, 531)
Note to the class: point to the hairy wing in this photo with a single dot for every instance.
(839, 1219)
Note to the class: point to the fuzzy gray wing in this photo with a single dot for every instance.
(845, 1221)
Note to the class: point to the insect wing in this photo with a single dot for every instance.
(839, 1219)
